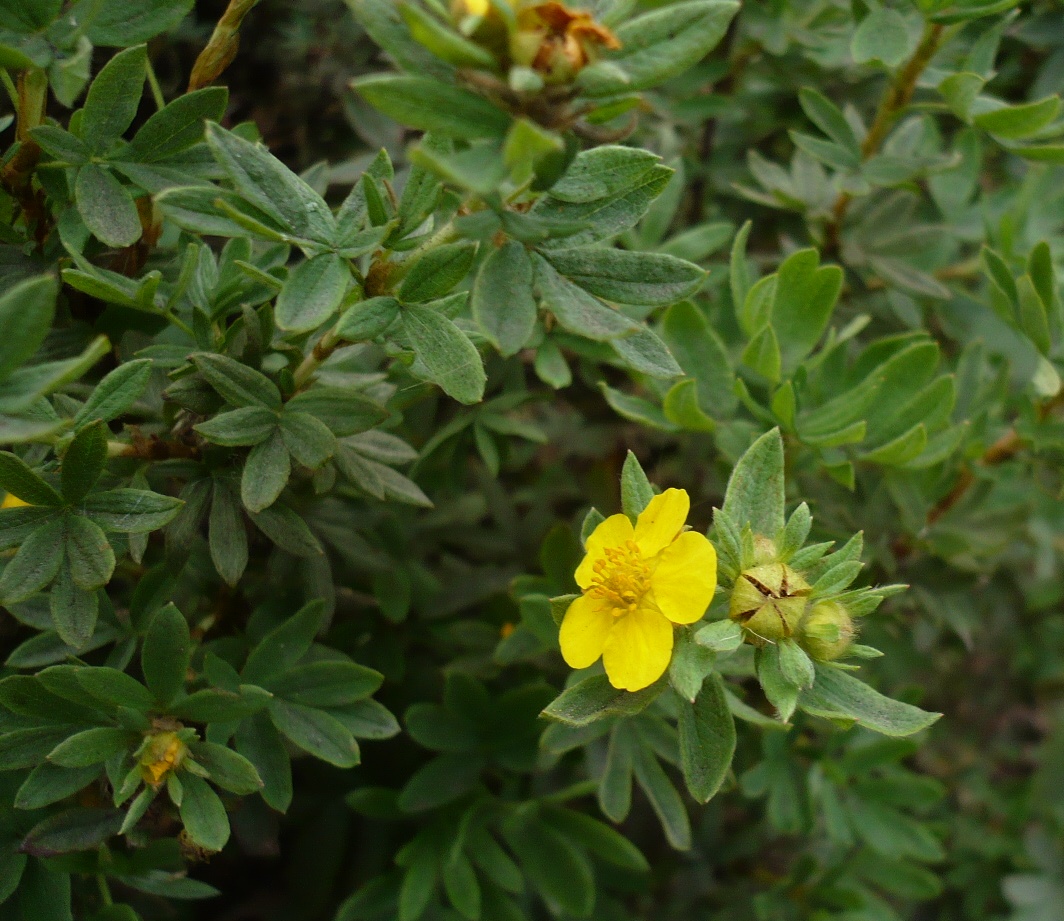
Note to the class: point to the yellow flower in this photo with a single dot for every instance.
(637, 582)
(472, 7)
(11, 501)
(163, 754)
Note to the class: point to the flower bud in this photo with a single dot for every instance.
(768, 601)
(162, 755)
(827, 631)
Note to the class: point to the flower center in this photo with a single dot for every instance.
(621, 578)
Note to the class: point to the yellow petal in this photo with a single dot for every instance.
(661, 521)
(584, 630)
(13, 501)
(683, 583)
(613, 532)
(638, 649)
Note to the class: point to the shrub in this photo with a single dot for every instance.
(654, 405)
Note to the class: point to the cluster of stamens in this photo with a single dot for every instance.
(622, 578)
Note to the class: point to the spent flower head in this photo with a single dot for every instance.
(161, 756)
(637, 582)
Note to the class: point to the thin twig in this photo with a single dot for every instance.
(897, 98)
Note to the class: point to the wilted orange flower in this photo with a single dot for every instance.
(558, 42)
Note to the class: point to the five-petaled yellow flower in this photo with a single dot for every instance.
(637, 582)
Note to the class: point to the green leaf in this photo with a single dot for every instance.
(228, 769)
(71, 831)
(448, 357)
(178, 126)
(827, 117)
(26, 313)
(285, 645)
(650, 279)
(595, 698)
(883, 35)
(245, 426)
(226, 535)
(636, 409)
(203, 814)
(433, 105)
(325, 684)
(445, 43)
(83, 462)
(113, 99)
(780, 690)
(437, 272)
(721, 636)
(288, 530)
(106, 206)
(503, 304)
(49, 783)
(114, 687)
(89, 554)
(368, 319)
(755, 493)
(1020, 121)
(636, 491)
(211, 705)
(1034, 320)
(307, 439)
(115, 24)
(576, 310)
(62, 145)
(316, 732)
(707, 740)
(646, 353)
(664, 799)
(271, 188)
(960, 92)
(346, 411)
(762, 354)
(554, 866)
(805, 296)
(131, 511)
(598, 838)
(116, 393)
(664, 43)
(259, 742)
(312, 293)
(266, 473)
(604, 173)
(796, 664)
(91, 746)
(236, 383)
(74, 610)
(35, 565)
(17, 478)
(166, 654)
(838, 695)
(701, 354)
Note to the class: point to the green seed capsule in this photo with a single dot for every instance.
(769, 601)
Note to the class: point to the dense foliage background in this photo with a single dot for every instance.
(295, 464)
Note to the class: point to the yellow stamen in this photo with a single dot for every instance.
(621, 578)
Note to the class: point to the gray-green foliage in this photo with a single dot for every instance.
(279, 441)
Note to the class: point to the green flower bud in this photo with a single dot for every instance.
(827, 631)
(769, 601)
